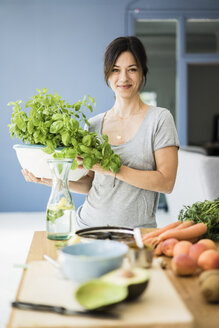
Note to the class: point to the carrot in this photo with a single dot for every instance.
(184, 225)
(148, 240)
(151, 241)
(157, 232)
(158, 249)
(193, 231)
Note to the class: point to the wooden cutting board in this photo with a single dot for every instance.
(159, 306)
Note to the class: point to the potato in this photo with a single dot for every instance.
(209, 284)
(206, 274)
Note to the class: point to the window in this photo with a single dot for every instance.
(202, 36)
(159, 40)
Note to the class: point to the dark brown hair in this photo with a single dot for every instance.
(122, 44)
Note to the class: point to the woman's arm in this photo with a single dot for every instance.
(82, 186)
(160, 180)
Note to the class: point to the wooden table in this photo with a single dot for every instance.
(205, 315)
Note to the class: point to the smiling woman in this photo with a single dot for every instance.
(143, 136)
(126, 75)
(117, 47)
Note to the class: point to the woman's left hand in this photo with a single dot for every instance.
(98, 168)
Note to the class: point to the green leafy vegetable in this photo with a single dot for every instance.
(52, 215)
(54, 123)
(206, 212)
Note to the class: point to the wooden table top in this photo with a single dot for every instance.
(205, 315)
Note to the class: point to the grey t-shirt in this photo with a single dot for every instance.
(126, 205)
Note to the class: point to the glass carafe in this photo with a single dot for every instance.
(60, 213)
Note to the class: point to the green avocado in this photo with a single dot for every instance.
(98, 294)
(136, 280)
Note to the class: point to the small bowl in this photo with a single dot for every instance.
(85, 261)
(32, 158)
(140, 257)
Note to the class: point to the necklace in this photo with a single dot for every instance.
(119, 137)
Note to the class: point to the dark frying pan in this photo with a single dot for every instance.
(111, 233)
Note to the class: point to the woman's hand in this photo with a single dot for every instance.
(96, 168)
(29, 177)
(79, 160)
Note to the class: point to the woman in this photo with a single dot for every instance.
(145, 138)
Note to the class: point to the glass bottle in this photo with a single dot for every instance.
(60, 213)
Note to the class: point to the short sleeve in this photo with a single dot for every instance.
(86, 127)
(165, 133)
(95, 123)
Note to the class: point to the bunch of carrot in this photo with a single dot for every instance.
(186, 230)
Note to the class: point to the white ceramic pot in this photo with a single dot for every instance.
(32, 158)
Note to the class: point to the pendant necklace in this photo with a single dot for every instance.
(118, 137)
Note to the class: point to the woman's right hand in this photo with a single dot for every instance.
(31, 178)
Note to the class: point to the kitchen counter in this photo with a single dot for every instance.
(204, 315)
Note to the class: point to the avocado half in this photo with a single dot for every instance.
(136, 280)
(98, 294)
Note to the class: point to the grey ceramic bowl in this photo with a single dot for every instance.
(85, 261)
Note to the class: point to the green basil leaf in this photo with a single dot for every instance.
(114, 167)
(74, 142)
(58, 155)
(48, 150)
(74, 165)
(36, 120)
(105, 137)
(56, 126)
(97, 153)
(30, 127)
(106, 151)
(73, 124)
(21, 124)
(87, 140)
(57, 117)
(69, 153)
(85, 149)
(66, 138)
(88, 163)
(105, 163)
(90, 107)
